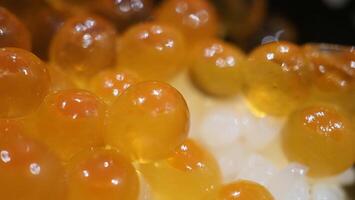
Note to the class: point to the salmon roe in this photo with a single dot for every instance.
(102, 174)
(195, 18)
(193, 169)
(152, 50)
(24, 82)
(333, 66)
(320, 137)
(99, 117)
(43, 22)
(148, 121)
(13, 32)
(110, 84)
(28, 170)
(216, 68)
(277, 78)
(83, 46)
(69, 121)
(124, 12)
(244, 190)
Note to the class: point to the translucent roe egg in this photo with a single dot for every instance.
(153, 50)
(13, 32)
(27, 169)
(276, 78)
(289, 56)
(215, 67)
(101, 174)
(110, 84)
(244, 190)
(124, 12)
(333, 74)
(83, 46)
(24, 82)
(333, 66)
(195, 18)
(71, 120)
(148, 121)
(320, 137)
(191, 173)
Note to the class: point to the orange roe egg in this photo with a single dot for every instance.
(333, 66)
(194, 172)
(277, 78)
(195, 18)
(289, 56)
(71, 120)
(27, 169)
(110, 84)
(124, 12)
(244, 190)
(153, 50)
(320, 137)
(101, 174)
(333, 74)
(83, 46)
(13, 31)
(148, 121)
(215, 67)
(24, 82)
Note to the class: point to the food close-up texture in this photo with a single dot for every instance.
(177, 100)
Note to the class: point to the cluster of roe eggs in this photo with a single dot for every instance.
(99, 116)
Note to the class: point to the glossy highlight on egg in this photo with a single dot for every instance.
(171, 100)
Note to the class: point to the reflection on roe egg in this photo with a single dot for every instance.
(13, 32)
(110, 84)
(83, 46)
(148, 121)
(28, 170)
(102, 174)
(195, 18)
(215, 67)
(24, 82)
(320, 137)
(69, 121)
(273, 123)
(191, 169)
(153, 50)
(244, 190)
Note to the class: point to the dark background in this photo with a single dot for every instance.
(316, 21)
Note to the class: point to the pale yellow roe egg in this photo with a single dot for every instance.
(277, 78)
(191, 173)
